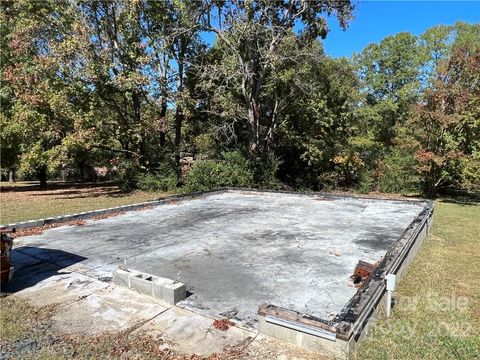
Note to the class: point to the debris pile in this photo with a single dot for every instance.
(223, 325)
(362, 272)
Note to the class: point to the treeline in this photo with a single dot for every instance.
(201, 94)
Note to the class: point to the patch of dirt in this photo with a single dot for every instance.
(28, 333)
(38, 230)
(272, 349)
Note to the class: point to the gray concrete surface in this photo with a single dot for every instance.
(236, 250)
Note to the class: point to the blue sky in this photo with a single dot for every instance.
(374, 20)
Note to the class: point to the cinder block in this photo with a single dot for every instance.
(168, 291)
(141, 284)
(155, 286)
(121, 277)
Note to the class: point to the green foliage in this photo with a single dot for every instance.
(317, 122)
(471, 171)
(127, 174)
(422, 91)
(234, 170)
(392, 174)
(389, 72)
(156, 182)
(348, 167)
(85, 83)
(163, 179)
(265, 170)
(446, 125)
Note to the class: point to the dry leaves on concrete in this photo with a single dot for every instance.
(223, 325)
(38, 230)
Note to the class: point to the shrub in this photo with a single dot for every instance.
(348, 167)
(233, 170)
(265, 172)
(157, 182)
(367, 182)
(127, 174)
(395, 173)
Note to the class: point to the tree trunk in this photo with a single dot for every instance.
(178, 136)
(270, 138)
(432, 181)
(42, 177)
(136, 120)
(11, 175)
(163, 104)
(254, 122)
(179, 111)
(163, 117)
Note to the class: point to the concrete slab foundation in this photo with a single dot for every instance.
(235, 250)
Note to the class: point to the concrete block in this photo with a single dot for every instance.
(121, 277)
(171, 292)
(155, 286)
(142, 284)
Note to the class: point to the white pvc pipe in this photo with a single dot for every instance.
(391, 280)
(389, 302)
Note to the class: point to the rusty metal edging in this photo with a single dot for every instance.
(295, 316)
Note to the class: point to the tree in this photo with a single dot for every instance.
(41, 113)
(446, 124)
(9, 133)
(318, 122)
(184, 46)
(389, 72)
(137, 55)
(251, 38)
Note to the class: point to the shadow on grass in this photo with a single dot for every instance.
(66, 190)
(52, 186)
(461, 197)
(84, 193)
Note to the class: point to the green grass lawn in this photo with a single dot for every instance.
(437, 315)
